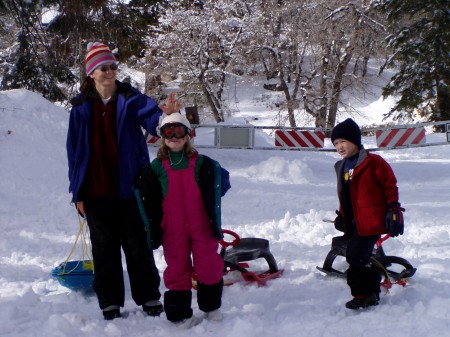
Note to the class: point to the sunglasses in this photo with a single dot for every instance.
(106, 67)
(177, 131)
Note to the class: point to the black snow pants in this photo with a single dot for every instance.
(114, 224)
(362, 277)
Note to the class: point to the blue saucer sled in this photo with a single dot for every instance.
(75, 275)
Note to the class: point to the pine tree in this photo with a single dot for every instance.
(420, 42)
(35, 68)
(49, 58)
(123, 26)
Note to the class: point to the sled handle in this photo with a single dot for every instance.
(382, 239)
(235, 241)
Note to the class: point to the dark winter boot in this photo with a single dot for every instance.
(153, 308)
(111, 312)
(362, 302)
(177, 305)
(364, 282)
(209, 297)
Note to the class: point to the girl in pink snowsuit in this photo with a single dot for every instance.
(181, 193)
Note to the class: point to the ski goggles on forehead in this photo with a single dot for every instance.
(106, 67)
(177, 131)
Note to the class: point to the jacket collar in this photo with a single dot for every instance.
(124, 89)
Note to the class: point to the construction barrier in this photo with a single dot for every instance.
(152, 139)
(400, 137)
(309, 138)
(294, 138)
(447, 128)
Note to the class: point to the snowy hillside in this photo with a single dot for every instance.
(277, 195)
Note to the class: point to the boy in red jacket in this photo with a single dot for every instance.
(368, 197)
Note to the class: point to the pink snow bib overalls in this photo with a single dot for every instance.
(186, 230)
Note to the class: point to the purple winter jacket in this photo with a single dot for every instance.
(134, 110)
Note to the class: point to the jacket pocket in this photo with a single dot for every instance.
(371, 219)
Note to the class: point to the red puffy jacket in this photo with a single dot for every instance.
(372, 187)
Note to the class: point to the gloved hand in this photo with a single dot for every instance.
(394, 219)
(339, 222)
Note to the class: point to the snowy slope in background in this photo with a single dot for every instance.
(278, 195)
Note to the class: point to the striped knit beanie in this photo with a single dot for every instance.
(98, 54)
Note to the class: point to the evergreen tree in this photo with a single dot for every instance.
(420, 40)
(123, 26)
(49, 58)
(35, 68)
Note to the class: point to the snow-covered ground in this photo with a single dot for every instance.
(282, 196)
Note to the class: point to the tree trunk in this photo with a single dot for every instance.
(289, 103)
(213, 103)
(336, 88)
(323, 89)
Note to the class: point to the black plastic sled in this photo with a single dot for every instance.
(239, 251)
(248, 249)
(394, 269)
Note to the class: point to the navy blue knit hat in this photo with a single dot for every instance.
(347, 130)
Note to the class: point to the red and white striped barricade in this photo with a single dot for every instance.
(152, 139)
(156, 140)
(400, 137)
(294, 138)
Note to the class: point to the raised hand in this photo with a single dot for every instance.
(171, 105)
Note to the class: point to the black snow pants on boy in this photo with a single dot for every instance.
(362, 277)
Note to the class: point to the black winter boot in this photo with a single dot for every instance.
(362, 302)
(209, 297)
(177, 305)
(153, 308)
(111, 312)
(364, 282)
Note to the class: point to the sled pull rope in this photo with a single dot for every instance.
(86, 250)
